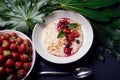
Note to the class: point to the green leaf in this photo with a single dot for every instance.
(112, 12)
(60, 34)
(72, 25)
(111, 32)
(95, 4)
(102, 38)
(21, 15)
(116, 24)
(92, 14)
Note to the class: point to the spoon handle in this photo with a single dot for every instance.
(52, 72)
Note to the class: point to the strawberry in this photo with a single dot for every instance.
(18, 65)
(13, 34)
(30, 57)
(2, 38)
(9, 63)
(7, 35)
(30, 50)
(12, 77)
(75, 34)
(15, 56)
(5, 44)
(67, 30)
(2, 70)
(24, 57)
(19, 41)
(9, 70)
(27, 65)
(27, 42)
(13, 46)
(22, 48)
(1, 51)
(7, 53)
(12, 39)
(2, 58)
(21, 73)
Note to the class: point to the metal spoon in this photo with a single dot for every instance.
(81, 72)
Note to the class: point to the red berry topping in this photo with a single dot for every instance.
(62, 23)
(70, 37)
(75, 34)
(67, 30)
(67, 51)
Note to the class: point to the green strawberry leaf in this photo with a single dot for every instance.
(72, 25)
(60, 34)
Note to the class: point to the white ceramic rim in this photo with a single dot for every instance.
(22, 35)
(86, 28)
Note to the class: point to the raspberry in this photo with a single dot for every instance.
(75, 33)
(67, 50)
(70, 37)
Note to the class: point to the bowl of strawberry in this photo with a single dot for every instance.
(17, 55)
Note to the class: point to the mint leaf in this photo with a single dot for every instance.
(72, 25)
(61, 34)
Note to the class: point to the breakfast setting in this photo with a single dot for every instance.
(59, 40)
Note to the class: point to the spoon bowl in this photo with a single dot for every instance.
(81, 72)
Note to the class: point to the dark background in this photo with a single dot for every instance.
(108, 70)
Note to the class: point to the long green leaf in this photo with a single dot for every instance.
(95, 15)
(95, 4)
(104, 41)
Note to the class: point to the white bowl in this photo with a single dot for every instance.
(87, 32)
(22, 35)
